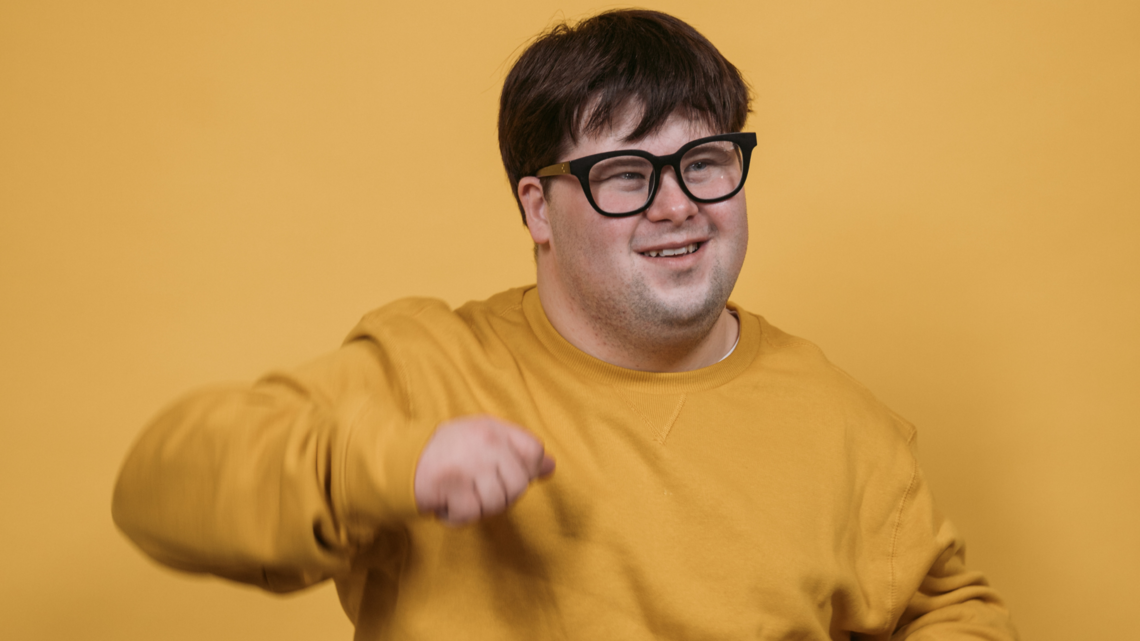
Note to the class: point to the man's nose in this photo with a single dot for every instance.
(670, 203)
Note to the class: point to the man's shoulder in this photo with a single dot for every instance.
(799, 367)
(417, 322)
(427, 310)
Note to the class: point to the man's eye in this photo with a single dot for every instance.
(624, 176)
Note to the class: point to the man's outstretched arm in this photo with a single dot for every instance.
(279, 483)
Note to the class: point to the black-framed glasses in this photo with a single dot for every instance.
(624, 182)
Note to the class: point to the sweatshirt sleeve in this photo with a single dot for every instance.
(278, 483)
(940, 599)
(954, 603)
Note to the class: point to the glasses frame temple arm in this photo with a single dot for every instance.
(554, 170)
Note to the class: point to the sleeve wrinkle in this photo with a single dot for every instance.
(942, 599)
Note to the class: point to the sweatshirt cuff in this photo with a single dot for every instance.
(378, 484)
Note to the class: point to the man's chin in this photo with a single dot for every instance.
(694, 310)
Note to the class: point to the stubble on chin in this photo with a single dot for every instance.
(639, 317)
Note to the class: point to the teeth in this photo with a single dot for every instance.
(680, 251)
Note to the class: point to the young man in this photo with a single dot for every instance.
(716, 478)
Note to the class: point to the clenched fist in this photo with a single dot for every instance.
(476, 466)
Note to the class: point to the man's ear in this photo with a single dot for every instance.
(536, 208)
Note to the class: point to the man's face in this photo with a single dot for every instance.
(612, 268)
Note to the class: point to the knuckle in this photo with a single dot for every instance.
(516, 493)
(488, 436)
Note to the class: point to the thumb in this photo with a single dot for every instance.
(547, 467)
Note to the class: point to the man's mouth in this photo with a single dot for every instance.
(676, 251)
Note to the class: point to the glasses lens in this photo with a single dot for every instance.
(712, 170)
(621, 184)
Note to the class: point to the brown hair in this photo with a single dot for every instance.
(604, 65)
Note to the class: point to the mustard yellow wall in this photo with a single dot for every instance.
(946, 197)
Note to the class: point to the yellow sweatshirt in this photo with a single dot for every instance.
(768, 496)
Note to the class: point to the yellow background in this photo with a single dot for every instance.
(946, 197)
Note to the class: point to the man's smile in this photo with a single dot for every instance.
(672, 251)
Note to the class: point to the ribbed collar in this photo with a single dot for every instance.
(596, 369)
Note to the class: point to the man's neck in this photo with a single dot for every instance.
(662, 351)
